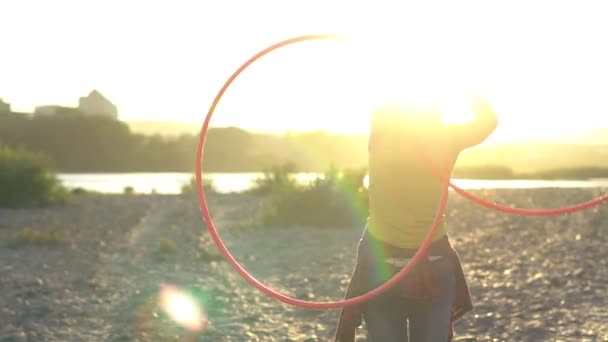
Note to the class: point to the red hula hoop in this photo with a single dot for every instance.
(218, 241)
(445, 179)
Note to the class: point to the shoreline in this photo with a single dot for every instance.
(525, 176)
(164, 183)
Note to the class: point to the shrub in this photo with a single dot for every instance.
(338, 199)
(31, 236)
(128, 190)
(190, 187)
(79, 191)
(276, 179)
(27, 180)
(166, 246)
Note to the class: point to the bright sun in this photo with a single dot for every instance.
(335, 85)
(390, 70)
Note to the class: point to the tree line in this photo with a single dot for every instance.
(74, 142)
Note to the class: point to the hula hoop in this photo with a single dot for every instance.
(445, 180)
(513, 210)
(235, 264)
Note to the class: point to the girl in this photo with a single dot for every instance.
(403, 199)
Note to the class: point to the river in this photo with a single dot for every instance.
(171, 183)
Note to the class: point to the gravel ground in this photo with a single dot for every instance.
(532, 278)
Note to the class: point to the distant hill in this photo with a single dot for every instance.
(533, 157)
(78, 143)
(315, 150)
(598, 136)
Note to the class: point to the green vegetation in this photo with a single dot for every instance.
(571, 173)
(80, 191)
(37, 237)
(499, 172)
(77, 143)
(73, 142)
(166, 246)
(27, 180)
(275, 180)
(336, 200)
(533, 158)
(190, 187)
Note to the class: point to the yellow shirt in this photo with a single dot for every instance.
(403, 194)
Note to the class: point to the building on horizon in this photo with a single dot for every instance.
(94, 104)
(97, 104)
(5, 107)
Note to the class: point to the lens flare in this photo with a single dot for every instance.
(182, 308)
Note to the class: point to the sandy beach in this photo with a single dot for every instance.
(531, 278)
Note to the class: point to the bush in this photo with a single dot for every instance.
(338, 199)
(190, 187)
(27, 180)
(79, 191)
(166, 246)
(275, 179)
(31, 236)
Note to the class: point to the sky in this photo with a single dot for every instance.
(541, 64)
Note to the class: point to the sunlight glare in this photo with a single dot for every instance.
(182, 308)
(419, 69)
(457, 108)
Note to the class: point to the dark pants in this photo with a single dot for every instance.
(387, 316)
